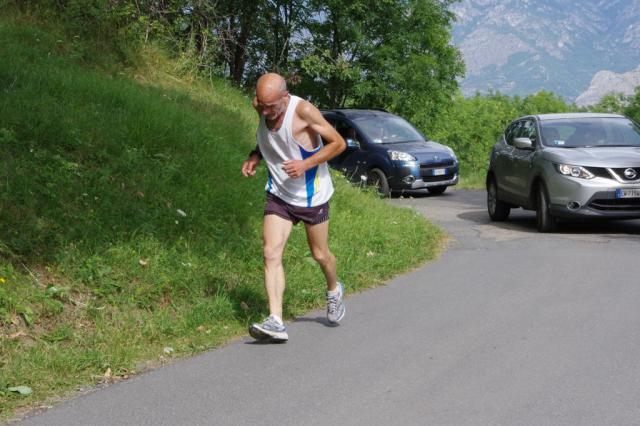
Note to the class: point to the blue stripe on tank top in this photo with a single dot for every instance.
(309, 175)
(269, 183)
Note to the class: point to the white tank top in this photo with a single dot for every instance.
(312, 189)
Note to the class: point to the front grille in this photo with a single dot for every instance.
(428, 169)
(437, 165)
(620, 173)
(600, 172)
(617, 204)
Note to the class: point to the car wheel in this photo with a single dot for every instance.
(378, 179)
(544, 220)
(498, 210)
(436, 190)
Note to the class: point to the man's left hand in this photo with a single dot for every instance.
(294, 168)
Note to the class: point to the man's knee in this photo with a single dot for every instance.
(322, 256)
(272, 254)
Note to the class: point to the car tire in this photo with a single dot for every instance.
(436, 190)
(498, 210)
(545, 222)
(378, 179)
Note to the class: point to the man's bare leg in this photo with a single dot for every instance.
(318, 240)
(276, 232)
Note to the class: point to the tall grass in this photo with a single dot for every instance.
(128, 235)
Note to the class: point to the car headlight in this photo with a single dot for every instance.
(574, 171)
(400, 156)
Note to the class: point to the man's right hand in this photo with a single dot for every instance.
(250, 164)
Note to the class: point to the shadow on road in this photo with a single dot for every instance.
(520, 222)
(525, 221)
(319, 320)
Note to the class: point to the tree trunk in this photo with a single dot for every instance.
(238, 61)
(334, 83)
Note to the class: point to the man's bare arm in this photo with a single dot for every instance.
(334, 144)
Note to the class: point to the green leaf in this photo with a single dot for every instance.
(22, 390)
(26, 313)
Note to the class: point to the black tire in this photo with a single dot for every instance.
(378, 179)
(436, 190)
(498, 210)
(545, 222)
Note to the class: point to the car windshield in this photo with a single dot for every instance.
(388, 129)
(590, 132)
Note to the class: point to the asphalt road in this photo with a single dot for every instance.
(508, 326)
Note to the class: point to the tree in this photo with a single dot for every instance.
(620, 104)
(472, 125)
(542, 102)
(420, 67)
(632, 110)
(281, 27)
(382, 53)
(335, 49)
(611, 102)
(393, 54)
(235, 29)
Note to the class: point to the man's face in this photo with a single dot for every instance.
(272, 107)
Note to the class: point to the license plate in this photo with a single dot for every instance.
(439, 172)
(628, 193)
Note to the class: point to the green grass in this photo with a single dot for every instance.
(472, 179)
(100, 271)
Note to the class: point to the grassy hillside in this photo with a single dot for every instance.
(127, 234)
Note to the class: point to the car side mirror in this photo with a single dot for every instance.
(523, 143)
(352, 143)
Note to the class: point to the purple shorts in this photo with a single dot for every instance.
(309, 215)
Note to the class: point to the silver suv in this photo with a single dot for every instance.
(566, 166)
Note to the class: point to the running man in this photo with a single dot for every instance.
(290, 140)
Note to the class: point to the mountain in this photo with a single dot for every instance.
(606, 81)
(522, 46)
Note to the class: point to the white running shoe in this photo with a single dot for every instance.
(335, 306)
(269, 330)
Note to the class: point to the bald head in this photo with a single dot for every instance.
(271, 86)
(271, 95)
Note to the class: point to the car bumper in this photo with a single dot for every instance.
(596, 198)
(421, 184)
(415, 177)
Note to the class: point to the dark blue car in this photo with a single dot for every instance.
(386, 151)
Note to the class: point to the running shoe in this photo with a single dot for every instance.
(335, 306)
(269, 330)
